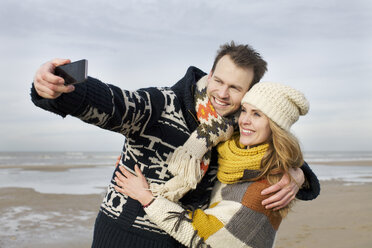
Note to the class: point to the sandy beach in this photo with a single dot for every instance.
(340, 217)
(31, 219)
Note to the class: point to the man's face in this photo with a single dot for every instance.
(227, 85)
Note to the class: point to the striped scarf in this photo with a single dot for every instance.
(190, 162)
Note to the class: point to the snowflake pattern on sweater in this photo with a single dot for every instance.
(154, 121)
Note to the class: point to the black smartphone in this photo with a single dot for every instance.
(73, 73)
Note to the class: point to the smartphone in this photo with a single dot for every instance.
(73, 73)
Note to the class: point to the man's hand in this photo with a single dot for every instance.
(285, 191)
(47, 84)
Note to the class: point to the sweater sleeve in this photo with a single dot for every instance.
(312, 189)
(105, 106)
(227, 223)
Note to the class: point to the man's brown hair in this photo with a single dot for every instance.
(244, 56)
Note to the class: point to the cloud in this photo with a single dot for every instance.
(322, 48)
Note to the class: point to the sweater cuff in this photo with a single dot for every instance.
(161, 204)
(71, 103)
(67, 103)
(313, 189)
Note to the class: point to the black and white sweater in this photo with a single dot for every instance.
(154, 122)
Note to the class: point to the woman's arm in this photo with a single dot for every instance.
(228, 223)
(136, 187)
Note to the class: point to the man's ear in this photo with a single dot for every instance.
(210, 75)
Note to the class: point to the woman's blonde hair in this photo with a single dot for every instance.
(284, 152)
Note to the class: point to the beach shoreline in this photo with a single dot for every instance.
(56, 206)
(343, 163)
(87, 166)
(340, 216)
(32, 219)
(52, 167)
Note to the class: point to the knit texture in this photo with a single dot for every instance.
(154, 121)
(235, 217)
(235, 162)
(107, 235)
(281, 103)
(190, 161)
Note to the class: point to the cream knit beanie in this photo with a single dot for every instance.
(281, 103)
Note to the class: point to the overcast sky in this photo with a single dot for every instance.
(322, 48)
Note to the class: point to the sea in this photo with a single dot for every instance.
(58, 172)
(91, 172)
(82, 173)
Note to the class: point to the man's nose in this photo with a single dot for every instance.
(223, 92)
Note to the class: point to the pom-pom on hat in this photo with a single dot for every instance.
(281, 103)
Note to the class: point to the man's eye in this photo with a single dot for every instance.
(235, 89)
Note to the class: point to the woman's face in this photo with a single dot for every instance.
(254, 126)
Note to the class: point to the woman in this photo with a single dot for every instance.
(248, 163)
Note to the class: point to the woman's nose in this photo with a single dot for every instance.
(246, 119)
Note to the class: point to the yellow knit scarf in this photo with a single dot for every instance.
(234, 159)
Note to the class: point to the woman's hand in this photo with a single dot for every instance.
(135, 187)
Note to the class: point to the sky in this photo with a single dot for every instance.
(322, 48)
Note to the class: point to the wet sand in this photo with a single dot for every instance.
(31, 219)
(344, 163)
(340, 217)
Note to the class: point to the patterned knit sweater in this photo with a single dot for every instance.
(154, 122)
(235, 217)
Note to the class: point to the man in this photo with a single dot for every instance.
(155, 121)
